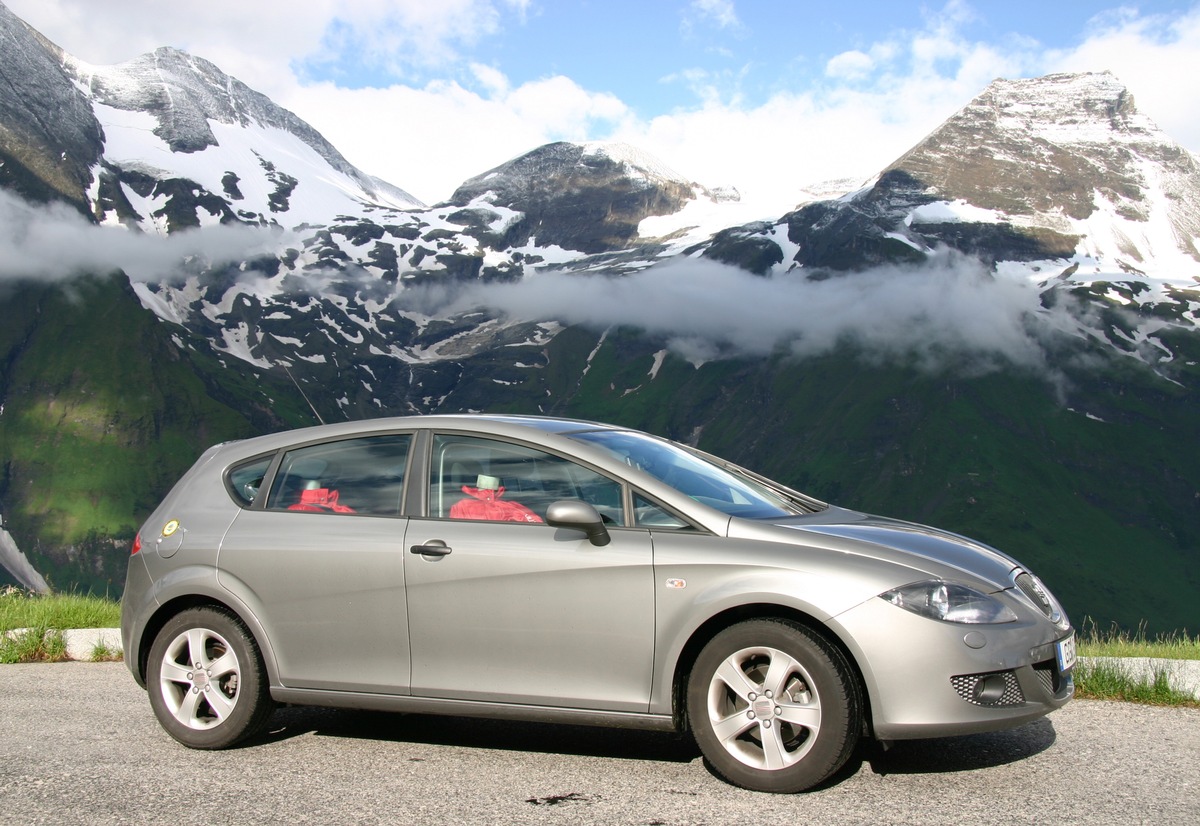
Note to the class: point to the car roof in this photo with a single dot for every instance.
(497, 424)
(550, 424)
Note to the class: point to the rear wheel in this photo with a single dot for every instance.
(206, 680)
(773, 707)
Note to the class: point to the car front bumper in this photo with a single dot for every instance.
(926, 678)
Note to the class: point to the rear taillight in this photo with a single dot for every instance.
(137, 544)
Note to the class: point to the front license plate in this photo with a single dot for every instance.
(1065, 651)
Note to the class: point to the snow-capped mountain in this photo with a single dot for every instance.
(185, 143)
(592, 197)
(1057, 181)
(1068, 156)
(1059, 168)
(167, 141)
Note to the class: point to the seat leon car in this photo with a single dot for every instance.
(544, 569)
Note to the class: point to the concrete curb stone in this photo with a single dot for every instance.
(81, 642)
(1182, 675)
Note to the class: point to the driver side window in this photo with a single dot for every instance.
(486, 479)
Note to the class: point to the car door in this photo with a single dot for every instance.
(505, 608)
(322, 565)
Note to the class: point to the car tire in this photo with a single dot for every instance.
(206, 680)
(773, 707)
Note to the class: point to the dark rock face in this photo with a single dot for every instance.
(49, 137)
(845, 236)
(746, 247)
(574, 198)
(999, 242)
(871, 230)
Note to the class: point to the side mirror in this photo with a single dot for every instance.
(571, 513)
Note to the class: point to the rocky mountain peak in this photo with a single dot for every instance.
(1061, 168)
(49, 137)
(572, 166)
(1064, 146)
(589, 197)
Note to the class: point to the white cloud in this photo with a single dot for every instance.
(852, 65)
(398, 35)
(720, 13)
(491, 79)
(949, 312)
(430, 140)
(267, 43)
(55, 242)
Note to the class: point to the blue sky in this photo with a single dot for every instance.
(657, 55)
(765, 95)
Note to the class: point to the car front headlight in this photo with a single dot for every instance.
(949, 602)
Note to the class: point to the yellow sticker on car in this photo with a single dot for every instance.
(170, 527)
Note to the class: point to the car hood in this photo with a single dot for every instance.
(900, 542)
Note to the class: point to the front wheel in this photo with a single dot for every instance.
(206, 680)
(773, 707)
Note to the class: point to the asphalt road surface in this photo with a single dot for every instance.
(79, 744)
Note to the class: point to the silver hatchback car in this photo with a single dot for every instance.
(555, 570)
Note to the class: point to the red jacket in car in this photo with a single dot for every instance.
(485, 503)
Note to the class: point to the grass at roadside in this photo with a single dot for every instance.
(44, 618)
(1117, 642)
(1113, 680)
(1109, 679)
(33, 644)
(22, 609)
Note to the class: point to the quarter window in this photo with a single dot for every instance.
(648, 514)
(246, 480)
(349, 476)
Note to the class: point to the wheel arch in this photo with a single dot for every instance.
(755, 611)
(173, 607)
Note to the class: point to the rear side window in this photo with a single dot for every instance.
(364, 476)
(246, 479)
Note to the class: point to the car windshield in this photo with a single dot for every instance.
(717, 487)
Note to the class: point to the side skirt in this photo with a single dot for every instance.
(467, 708)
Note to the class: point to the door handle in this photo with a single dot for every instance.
(434, 547)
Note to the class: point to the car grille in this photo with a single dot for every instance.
(1034, 590)
(992, 689)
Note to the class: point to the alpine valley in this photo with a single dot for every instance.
(997, 334)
